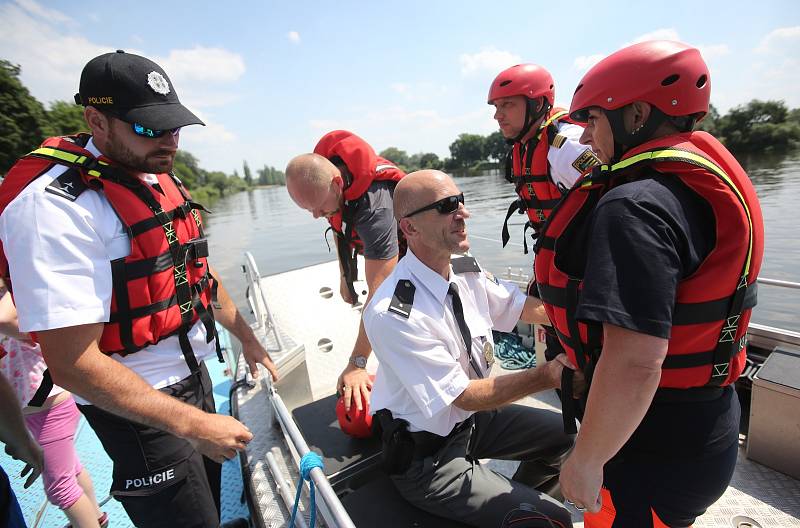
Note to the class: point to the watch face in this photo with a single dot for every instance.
(360, 361)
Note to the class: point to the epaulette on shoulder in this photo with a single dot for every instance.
(465, 264)
(558, 141)
(403, 298)
(68, 185)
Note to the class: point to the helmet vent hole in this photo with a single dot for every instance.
(505, 83)
(578, 88)
(701, 81)
(672, 79)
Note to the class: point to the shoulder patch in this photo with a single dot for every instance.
(403, 298)
(558, 141)
(464, 264)
(69, 185)
(586, 161)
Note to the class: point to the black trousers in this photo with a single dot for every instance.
(159, 478)
(677, 485)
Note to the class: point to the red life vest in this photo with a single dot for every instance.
(528, 169)
(360, 167)
(164, 286)
(712, 306)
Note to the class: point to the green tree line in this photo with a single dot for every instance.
(25, 123)
(768, 127)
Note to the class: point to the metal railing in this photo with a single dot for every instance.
(257, 299)
(330, 507)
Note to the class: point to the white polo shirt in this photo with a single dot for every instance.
(423, 362)
(59, 254)
(566, 160)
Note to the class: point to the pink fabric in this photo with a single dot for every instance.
(23, 366)
(54, 429)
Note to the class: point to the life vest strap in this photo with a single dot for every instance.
(159, 306)
(43, 391)
(568, 404)
(124, 314)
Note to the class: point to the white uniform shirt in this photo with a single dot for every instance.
(565, 160)
(59, 254)
(423, 362)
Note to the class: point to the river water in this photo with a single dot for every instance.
(282, 237)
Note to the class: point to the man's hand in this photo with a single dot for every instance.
(354, 383)
(581, 482)
(219, 437)
(555, 367)
(254, 353)
(27, 451)
(344, 291)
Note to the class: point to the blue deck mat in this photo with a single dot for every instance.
(39, 513)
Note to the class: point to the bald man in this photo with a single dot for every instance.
(347, 183)
(430, 324)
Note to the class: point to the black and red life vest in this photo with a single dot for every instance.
(528, 169)
(360, 167)
(164, 286)
(712, 306)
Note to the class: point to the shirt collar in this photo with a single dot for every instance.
(433, 282)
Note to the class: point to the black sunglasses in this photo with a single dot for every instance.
(444, 206)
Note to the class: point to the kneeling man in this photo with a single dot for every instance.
(430, 324)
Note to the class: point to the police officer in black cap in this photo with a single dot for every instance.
(108, 261)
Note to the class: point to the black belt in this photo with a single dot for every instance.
(693, 394)
(427, 443)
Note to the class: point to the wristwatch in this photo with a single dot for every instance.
(359, 361)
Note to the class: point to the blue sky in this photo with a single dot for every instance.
(270, 78)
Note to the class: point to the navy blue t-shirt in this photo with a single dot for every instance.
(645, 236)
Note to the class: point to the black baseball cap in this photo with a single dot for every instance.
(134, 89)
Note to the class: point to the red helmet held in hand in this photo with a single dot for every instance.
(355, 423)
(528, 80)
(669, 75)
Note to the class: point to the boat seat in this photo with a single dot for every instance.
(348, 461)
(379, 504)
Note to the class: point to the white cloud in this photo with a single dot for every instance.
(658, 34)
(584, 62)
(490, 59)
(201, 64)
(294, 37)
(419, 92)
(781, 39)
(713, 51)
(411, 129)
(36, 9)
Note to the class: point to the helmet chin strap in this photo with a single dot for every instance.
(531, 116)
(624, 140)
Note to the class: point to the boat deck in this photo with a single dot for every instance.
(39, 513)
(305, 305)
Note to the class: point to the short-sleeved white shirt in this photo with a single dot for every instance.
(59, 254)
(565, 159)
(423, 363)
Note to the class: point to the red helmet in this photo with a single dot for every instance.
(355, 423)
(669, 75)
(528, 80)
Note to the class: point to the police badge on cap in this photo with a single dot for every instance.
(158, 83)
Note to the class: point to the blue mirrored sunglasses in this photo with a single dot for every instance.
(141, 130)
